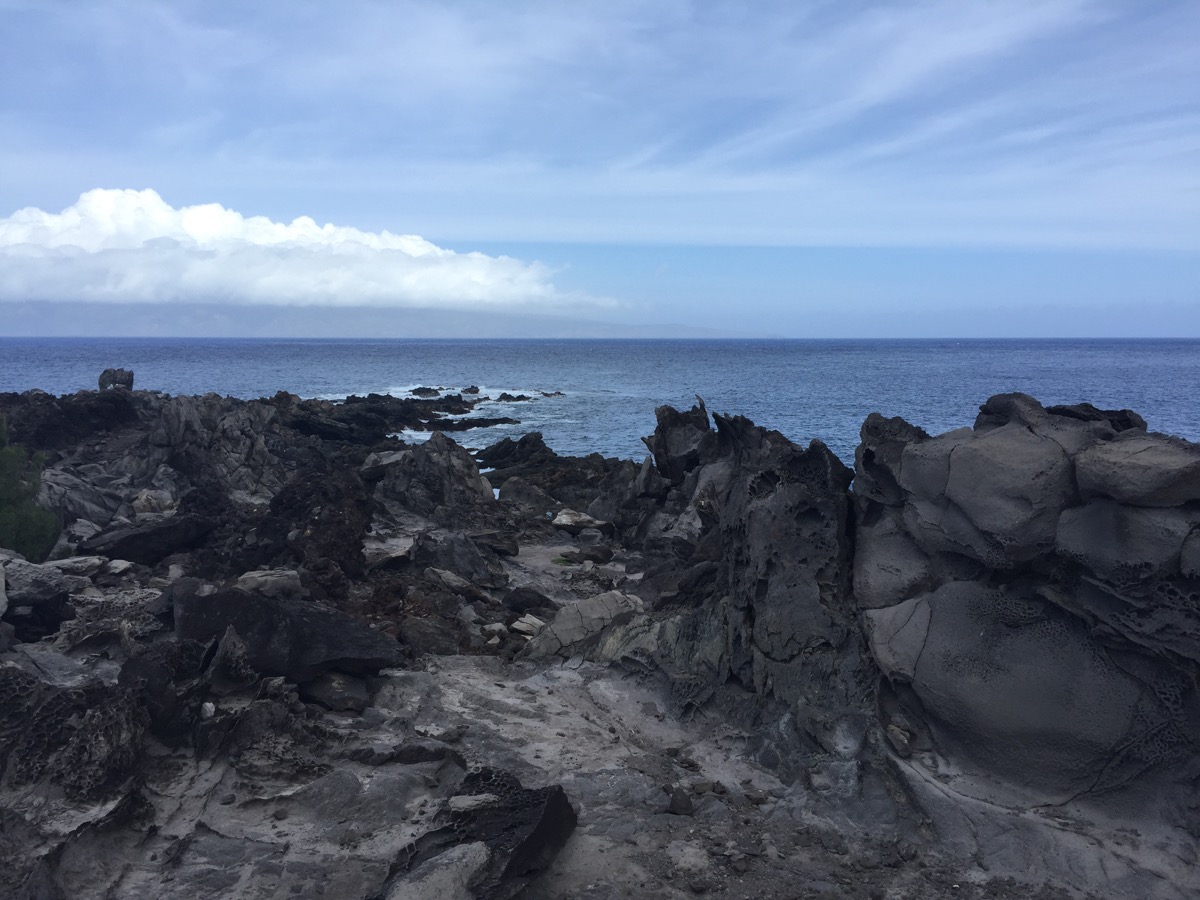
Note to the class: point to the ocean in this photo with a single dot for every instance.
(804, 388)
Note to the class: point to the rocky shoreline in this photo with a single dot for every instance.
(279, 653)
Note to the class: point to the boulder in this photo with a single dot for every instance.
(285, 637)
(1026, 589)
(282, 583)
(112, 378)
(580, 625)
(573, 522)
(151, 540)
(457, 553)
(1141, 470)
(29, 584)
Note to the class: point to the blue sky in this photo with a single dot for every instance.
(946, 167)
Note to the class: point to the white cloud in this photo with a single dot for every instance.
(132, 246)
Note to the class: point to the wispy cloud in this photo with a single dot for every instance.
(1067, 122)
(132, 246)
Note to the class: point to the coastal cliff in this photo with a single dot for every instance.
(278, 652)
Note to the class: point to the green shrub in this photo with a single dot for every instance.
(24, 526)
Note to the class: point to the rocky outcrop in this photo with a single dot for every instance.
(745, 569)
(300, 656)
(1026, 596)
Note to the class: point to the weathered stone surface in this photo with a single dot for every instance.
(1026, 592)
(30, 584)
(577, 626)
(1141, 470)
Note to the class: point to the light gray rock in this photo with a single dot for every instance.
(452, 875)
(574, 522)
(580, 625)
(282, 583)
(84, 566)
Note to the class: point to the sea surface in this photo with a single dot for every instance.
(804, 388)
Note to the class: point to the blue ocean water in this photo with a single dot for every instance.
(805, 389)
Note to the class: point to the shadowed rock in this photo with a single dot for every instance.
(285, 637)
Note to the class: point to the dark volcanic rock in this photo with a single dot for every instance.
(149, 541)
(757, 529)
(292, 638)
(523, 829)
(41, 421)
(459, 554)
(1024, 595)
(434, 479)
(111, 378)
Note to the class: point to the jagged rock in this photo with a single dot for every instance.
(283, 637)
(436, 475)
(41, 421)
(147, 542)
(570, 481)
(595, 553)
(85, 566)
(679, 440)
(500, 544)
(736, 617)
(523, 829)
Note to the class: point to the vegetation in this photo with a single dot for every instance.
(24, 526)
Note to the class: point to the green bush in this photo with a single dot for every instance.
(24, 526)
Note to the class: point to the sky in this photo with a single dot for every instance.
(924, 168)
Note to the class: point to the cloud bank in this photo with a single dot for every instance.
(131, 246)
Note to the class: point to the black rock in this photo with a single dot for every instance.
(148, 542)
(292, 638)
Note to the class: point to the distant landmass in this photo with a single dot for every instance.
(80, 319)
